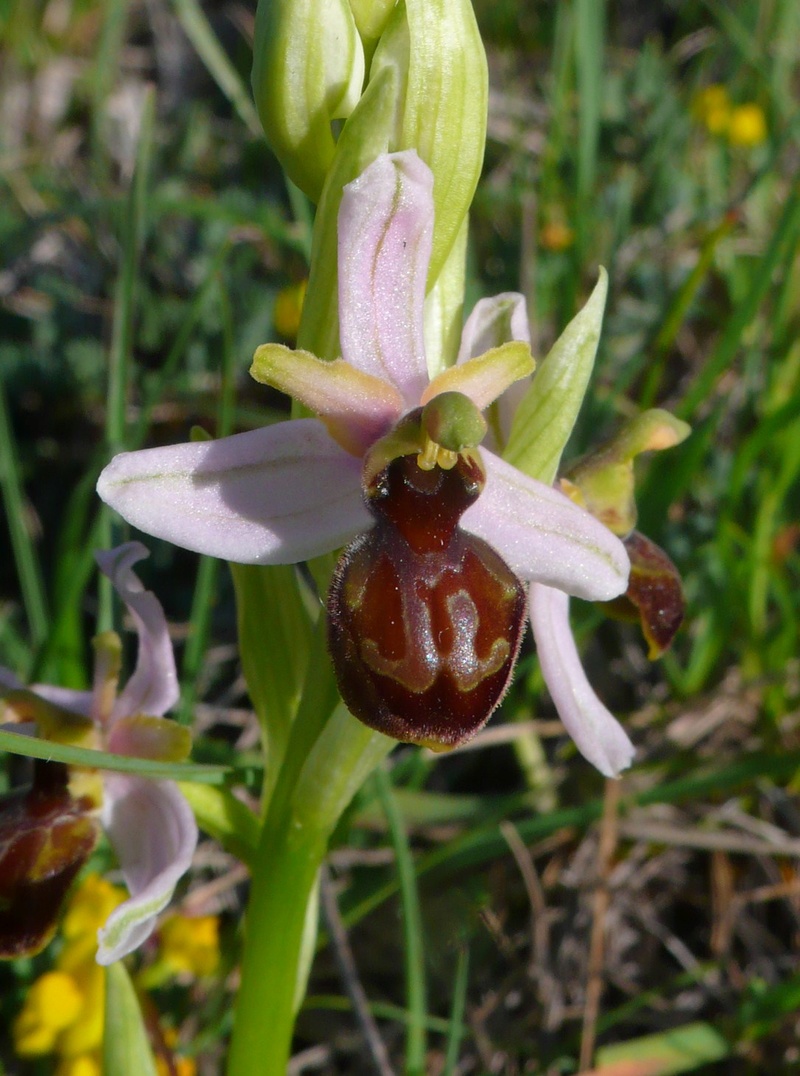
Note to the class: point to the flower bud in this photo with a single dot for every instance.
(436, 49)
(371, 16)
(308, 70)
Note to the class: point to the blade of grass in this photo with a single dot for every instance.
(781, 248)
(412, 927)
(203, 600)
(122, 328)
(589, 52)
(455, 1032)
(15, 743)
(25, 559)
(197, 28)
(104, 71)
(485, 843)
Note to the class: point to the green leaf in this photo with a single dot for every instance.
(546, 415)
(225, 818)
(274, 642)
(682, 1049)
(126, 1050)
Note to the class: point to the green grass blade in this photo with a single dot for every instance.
(122, 329)
(203, 600)
(589, 56)
(412, 927)
(782, 244)
(34, 747)
(199, 32)
(27, 563)
(456, 1030)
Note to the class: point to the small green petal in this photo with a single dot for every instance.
(605, 477)
(487, 376)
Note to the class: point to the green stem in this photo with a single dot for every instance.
(303, 812)
(285, 871)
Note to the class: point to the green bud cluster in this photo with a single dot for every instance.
(336, 83)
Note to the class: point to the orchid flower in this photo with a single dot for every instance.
(149, 823)
(293, 490)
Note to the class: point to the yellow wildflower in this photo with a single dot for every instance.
(52, 1004)
(84, 1065)
(747, 126)
(64, 1009)
(712, 108)
(190, 944)
(287, 310)
(183, 1066)
(556, 236)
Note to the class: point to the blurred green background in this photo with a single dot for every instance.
(148, 243)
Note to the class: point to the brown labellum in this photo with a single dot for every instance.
(424, 619)
(46, 836)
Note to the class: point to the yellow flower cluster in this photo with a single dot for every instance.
(741, 125)
(64, 1008)
(190, 945)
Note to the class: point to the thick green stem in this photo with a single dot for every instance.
(285, 872)
(318, 779)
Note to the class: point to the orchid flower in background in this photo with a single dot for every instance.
(148, 822)
(293, 490)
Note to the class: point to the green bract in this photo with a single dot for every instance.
(371, 16)
(544, 418)
(308, 70)
(436, 49)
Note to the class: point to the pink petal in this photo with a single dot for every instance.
(154, 835)
(385, 232)
(271, 496)
(77, 702)
(491, 323)
(544, 537)
(597, 734)
(153, 687)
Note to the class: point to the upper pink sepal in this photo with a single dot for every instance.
(385, 235)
